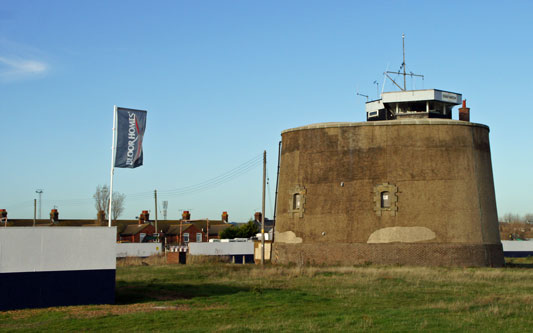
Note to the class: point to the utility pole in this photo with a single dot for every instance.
(34, 211)
(40, 192)
(181, 229)
(263, 211)
(155, 197)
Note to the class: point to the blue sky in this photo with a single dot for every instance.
(222, 79)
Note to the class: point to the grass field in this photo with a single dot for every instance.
(237, 298)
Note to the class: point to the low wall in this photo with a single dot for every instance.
(221, 249)
(517, 248)
(137, 249)
(51, 266)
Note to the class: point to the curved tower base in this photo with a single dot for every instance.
(432, 254)
(414, 192)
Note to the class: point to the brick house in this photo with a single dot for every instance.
(133, 232)
(189, 233)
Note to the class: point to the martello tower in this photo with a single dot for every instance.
(409, 186)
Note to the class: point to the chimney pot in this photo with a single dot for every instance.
(464, 112)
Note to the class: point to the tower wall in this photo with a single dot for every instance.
(394, 192)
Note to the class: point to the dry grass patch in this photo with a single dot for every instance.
(154, 260)
(200, 260)
(95, 311)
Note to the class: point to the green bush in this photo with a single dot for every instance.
(247, 230)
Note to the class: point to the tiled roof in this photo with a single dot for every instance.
(214, 230)
(175, 229)
(134, 229)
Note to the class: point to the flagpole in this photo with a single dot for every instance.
(113, 148)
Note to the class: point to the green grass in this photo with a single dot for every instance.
(236, 298)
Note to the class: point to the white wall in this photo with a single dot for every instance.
(518, 246)
(38, 249)
(137, 249)
(220, 249)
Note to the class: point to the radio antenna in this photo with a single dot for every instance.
(358, 94)
(403, 68)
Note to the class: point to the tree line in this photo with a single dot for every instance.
(516, 218)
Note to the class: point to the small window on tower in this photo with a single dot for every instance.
(385, 199)
(296, 202)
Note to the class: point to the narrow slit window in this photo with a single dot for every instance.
(296, 201)
(385, 199)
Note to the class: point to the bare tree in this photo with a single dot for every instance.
(101, 201)
(513, 218)
(118, 205)
(101, 198)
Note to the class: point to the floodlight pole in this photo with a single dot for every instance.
(40, 192)
(113, 149)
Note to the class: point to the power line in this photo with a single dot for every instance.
(190, 189)
(210, 183)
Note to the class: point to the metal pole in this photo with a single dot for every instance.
(277, 183)
(34, 211)
(181, 228)
(403, 65)
(112, 164)
(40, 192)
(155, 196)
(263, 211)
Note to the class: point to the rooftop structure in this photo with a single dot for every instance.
(427, 103)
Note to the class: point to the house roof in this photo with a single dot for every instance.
(175, 229)
(269, 224)
(214, 230)
(202, 224)
(134, 229)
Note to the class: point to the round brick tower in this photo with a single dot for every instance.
(404, 191)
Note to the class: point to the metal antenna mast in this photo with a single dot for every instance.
(403, 63)
(403, 67)
(40, 192)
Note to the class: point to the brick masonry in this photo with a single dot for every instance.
(439, 177)
(418, 254)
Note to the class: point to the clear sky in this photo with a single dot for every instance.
(222, 79)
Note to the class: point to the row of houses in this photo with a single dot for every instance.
(143, 230)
